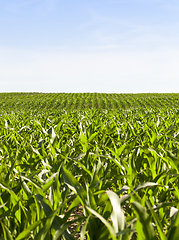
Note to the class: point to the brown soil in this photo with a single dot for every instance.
(73, 226)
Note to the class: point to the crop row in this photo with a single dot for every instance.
(85, 101)
(89, 174)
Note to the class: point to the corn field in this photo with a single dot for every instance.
(89, 166)
(47, 102)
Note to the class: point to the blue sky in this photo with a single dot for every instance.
(122, 46)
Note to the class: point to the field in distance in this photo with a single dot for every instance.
(85, 101)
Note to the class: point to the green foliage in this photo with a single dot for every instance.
(45, 102)
(70, 169)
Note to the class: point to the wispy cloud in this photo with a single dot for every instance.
(90, 48)
(109, 32)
